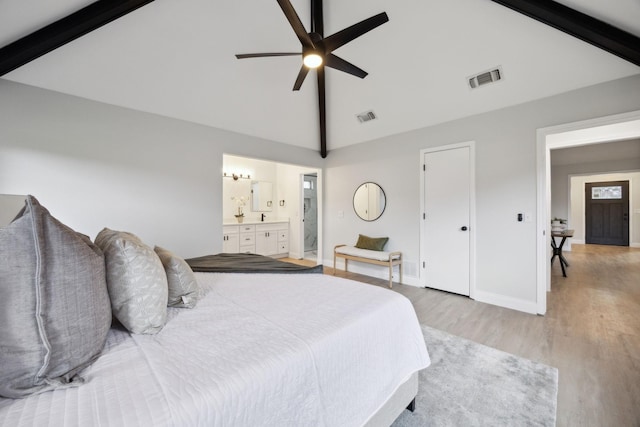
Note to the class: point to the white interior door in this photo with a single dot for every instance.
(446, 235)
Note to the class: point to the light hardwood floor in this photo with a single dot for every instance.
(591, 331)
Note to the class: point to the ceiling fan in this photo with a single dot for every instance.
(317, 52)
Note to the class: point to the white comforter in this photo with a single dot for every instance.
(259, 349)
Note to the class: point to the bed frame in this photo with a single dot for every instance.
(403, 398)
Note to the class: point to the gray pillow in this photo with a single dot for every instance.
(183, 286)
(54, 310)
(136, 281)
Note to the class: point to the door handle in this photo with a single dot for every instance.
(463, 228)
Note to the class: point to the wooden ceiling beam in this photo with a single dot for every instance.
(586, 28)
(63, 31)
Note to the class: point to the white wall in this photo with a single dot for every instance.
(10, 205)
(505, 184)
(95, 165)
(259, 170)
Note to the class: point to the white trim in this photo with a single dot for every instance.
(472, 212)
(602, 129)
(320, 203)
(377, 272)
(507, 302)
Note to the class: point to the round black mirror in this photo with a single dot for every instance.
(369, 201)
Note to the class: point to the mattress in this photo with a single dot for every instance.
(258, 350)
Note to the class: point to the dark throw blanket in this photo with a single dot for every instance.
(246, 263)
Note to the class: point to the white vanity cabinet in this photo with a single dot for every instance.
(247, 239)
(270, 239)
(230, 239)
(283, 240)
(266, 241)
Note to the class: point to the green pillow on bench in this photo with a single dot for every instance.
(371, 243)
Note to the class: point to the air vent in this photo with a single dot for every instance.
(485, 78)
(366, 116)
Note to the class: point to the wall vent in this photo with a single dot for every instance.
(485, 78)
(366, 116)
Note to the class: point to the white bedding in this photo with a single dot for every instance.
(259, 349)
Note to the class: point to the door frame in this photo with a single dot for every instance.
(593, 131)
(626, 199)
(300, 221)
(472, 211)
(302, 229)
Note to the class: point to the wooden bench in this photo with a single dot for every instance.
(389, 259)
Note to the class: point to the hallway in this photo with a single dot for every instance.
(594, 317)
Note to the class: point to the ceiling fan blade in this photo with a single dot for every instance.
(262, 55)
(317, 18)
(338, 63)
(343, 37)
(322, 110)
(301, 75)
(296, 24)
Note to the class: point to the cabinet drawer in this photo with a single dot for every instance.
(247, 239)
(247, 249)
(283, 235)
(267, 228)
(247, 228)
(283, 247)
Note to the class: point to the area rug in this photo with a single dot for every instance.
(469, 384)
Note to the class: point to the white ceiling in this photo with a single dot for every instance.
(176, 58)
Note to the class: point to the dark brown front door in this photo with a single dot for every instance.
(607, 213)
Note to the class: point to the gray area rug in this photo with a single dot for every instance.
(469, 384)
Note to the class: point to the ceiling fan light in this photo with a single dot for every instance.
(312, 60)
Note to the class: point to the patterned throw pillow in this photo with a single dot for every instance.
(136, 281)
(183, 286)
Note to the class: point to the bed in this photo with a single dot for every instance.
(257, 350)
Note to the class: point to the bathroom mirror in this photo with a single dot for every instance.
(369, 201)
(261, 196)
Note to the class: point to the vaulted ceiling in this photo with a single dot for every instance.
(176, 58)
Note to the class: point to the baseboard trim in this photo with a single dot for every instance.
(506, 302)
(378, 273)
(581, 242)
(480, 296)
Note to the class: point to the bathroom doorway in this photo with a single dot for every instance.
(310, 215)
